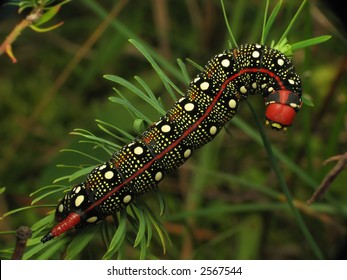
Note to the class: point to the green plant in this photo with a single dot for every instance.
(41, 11)
(138, 219)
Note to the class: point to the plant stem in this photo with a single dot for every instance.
(283, 185)
(6, 46)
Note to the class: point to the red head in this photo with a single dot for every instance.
(281, 107)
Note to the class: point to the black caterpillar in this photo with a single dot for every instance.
(212, 99)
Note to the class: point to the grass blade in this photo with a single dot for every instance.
(271, 20)
(290, 25)
(233, 41)
(310, 42)
(166, 81)
(118, 237)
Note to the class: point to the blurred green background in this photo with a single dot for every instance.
(225, 202)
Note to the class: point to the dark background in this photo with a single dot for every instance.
(57, 86)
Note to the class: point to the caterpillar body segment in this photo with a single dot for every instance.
(213, 98)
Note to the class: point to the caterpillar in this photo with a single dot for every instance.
(212, 99)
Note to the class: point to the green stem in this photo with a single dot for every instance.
(233, 41)
(262, 40)
(273, 161)
(284, 35)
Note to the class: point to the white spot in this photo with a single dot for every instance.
(196, 79)
(270, 89)
(181, 99)
(293, 105)
(78, 189)
(221, 54)
(258, 46)
(79, 199)
(255, 54)
(187, 153)
(213, 130)
(243, 89)
(263, 85)
(225, 62)
(254, 85)
(138, 150)
(109, 175)
(232, 103)
(158, 176)
(127, 198)
(280, 62)
(60, 208)
(102, 167)
(189, 107)
(291, 81)
(204, 85)
(165, 128)
(92, 219)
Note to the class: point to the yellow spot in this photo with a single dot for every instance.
(243, 89)
(127, 198)
(255, 54)
(158, 176)
(276, 125)
(213, 130)
(232, 103)
(79, 199)
(225, 62)
(204, 85)
(189, 107)
(138, 150)
(280, 62)
(165, 128)
(61, 208)
(92, 219)
(109, 174)
(187, 153)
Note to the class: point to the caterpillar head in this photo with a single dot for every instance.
(281, 107)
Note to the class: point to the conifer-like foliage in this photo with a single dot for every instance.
(150, 227)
